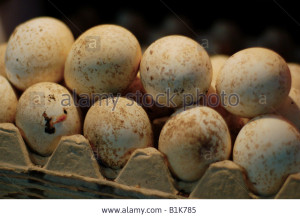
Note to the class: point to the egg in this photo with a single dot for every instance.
(46, 112)
(234, 123)
(115, 128)
(192, 140)
(8, 100)
(36, 52)
(175, 66)
(295, 73)
(268, 147)
(135, 90)
(253, 81)
(2, 55)
(217, 61)
(104, 59)
(290, 109)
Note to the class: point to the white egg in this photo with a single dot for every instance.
(36, 52)
(217, 62)
(115, 128)
(8, 100)
(104, 59)
(295, 73)
(2, 57)
(290, 109)
(253, 81)
(175, 66)
(193, 139)
(268, 147)
(46, 112)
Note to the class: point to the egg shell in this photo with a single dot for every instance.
(36, 52)
(137, 92)
(217, 61)
(290, 109)
(259, 77)
(193, 139)
(234, 123)
(104, 59)
(176, 63)
(295, 73)
(2, 58)
(46, 112)
(8, 100)
(136, 87)
(268, 147)
(116, 128)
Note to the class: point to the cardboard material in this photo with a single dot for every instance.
(222, 180)
(147, 168)
(72, 172)
(291, 188)
(38, 160)
(74, 155)
(12, 147)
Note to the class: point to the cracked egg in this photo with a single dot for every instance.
(46, 112)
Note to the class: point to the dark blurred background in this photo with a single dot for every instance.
(222, 27)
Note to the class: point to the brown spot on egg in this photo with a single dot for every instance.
(48, 125)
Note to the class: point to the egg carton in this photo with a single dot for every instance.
(73, 172)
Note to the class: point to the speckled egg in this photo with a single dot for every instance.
(253, 81)
(295, 73)
(8, 100)
(290, 109)
(46, 112)
(104, 59)
(115, 128)
(217, 62)
(2, 57)
(136, 87)
(234, 123)
(268, 147)
(174, 66)
(193, 139)
(36, 52)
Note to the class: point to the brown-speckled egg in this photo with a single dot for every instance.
(290, 109)
(8, 100)
(254, 81)
(46, 112)
(268, 147)
(2, 57)
(135, 90)
(115, 128)
(234, 122)
(295, 73)
(36, 52)
(175, 65)
(217, 61)
(193, 139)
(104, 59)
